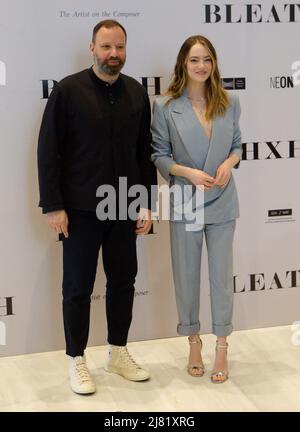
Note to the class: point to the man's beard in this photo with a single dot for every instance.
(106, 68)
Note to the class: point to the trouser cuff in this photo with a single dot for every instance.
(187, 330)
(222, 330)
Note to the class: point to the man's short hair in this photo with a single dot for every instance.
(109, 23)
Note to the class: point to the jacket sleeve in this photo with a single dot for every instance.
(147, 169)
(162, 149)
(50, 143)
(236, 147)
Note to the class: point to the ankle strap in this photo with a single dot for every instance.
(219, 346)
(197, 340)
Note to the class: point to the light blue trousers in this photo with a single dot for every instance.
(186, 248)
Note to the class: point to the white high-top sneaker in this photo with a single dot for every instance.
(80, 379)
(119, 361)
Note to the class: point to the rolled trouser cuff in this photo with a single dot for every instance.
(187, 330)
(222, 330)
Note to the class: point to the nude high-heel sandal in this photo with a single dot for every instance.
(195, 370)
(217, 374)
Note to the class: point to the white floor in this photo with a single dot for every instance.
(264, 376)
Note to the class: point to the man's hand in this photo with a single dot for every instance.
(144, 222)
(58, 221)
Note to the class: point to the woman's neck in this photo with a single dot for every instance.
(196, 91)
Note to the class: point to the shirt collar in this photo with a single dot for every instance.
(103, 84)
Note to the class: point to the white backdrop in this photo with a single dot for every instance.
(43, 40)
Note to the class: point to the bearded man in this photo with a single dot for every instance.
(96, 130)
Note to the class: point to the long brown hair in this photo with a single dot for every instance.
(216, 95)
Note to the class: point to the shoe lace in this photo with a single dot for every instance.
(128, 360)
(82, 371)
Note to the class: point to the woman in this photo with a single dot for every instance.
(197, 141)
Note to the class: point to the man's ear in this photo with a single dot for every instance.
(92, 46)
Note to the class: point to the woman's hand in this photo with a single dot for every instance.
(223, 174)
(200, 178)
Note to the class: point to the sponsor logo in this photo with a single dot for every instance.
(234, 83)
(280, 215)
(282, 82)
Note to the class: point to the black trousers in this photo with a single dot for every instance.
(80, 257)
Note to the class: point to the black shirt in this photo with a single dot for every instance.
(92, 133)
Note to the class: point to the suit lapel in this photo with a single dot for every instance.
(205, 154)
(220, 144)
(190, 131)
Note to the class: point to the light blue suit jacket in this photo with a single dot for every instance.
(178, 138)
